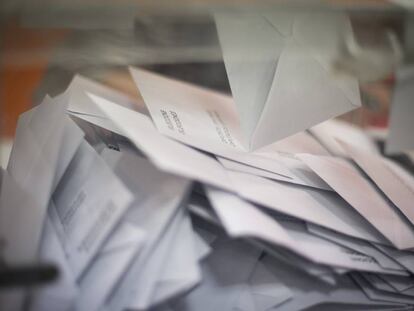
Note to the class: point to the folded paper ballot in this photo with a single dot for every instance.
(280, 69)
(173, 212)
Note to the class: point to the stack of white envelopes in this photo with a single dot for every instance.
(172, 209)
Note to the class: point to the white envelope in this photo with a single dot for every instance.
(280, 71)
(188, 112)
(242, 219)
(324, 208)
(325, 252)
(238, 224)
(30, 179)
(363, 197)
(376, 167)
(359, 246)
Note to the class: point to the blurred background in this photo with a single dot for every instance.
(44, 43)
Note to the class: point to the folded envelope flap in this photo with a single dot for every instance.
(305, 91)
(250, 47)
